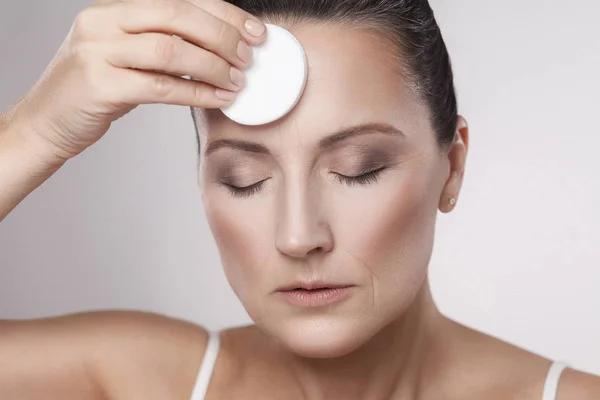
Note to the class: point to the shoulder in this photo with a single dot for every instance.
(136, 351)
(497, 369)
(531, 370)
(136, 330)
(102, 354)
(578, 385)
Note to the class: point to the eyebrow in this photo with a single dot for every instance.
(327, 143)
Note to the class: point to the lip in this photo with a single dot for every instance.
(314, 294)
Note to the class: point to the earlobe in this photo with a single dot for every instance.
(449, 196)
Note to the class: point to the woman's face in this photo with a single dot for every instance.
(343, 191)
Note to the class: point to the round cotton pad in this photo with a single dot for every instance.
(275, 80)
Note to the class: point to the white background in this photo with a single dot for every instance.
(122, 225)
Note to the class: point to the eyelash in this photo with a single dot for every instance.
(363, 179)
(245, 191)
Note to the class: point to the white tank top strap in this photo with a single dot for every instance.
(208, 365)
(212, 353)
(552, 380)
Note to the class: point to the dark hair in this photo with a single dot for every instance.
(410, 24)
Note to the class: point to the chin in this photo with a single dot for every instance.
(323, 336)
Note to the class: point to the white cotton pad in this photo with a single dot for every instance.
(275, 80)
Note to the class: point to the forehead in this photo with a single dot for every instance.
(353, 78)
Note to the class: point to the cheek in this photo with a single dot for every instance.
(396, 218)
(240, 230)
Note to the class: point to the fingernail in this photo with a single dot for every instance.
(237, 77)
(255, 28)
(244, 52)
(225, 95)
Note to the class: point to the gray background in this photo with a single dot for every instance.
(122, 225)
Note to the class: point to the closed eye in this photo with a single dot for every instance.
(245, 191)
(363, 179)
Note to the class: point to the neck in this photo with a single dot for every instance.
(393, 364)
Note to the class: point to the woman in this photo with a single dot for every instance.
(324, 220)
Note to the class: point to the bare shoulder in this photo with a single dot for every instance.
(507, 371)
(578, 385)
(136, 350)
(100, 355)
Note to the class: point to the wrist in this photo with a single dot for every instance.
(20, 134)
(24, 163)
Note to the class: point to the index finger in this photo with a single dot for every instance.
(251, 28)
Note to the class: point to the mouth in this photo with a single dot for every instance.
(314, 294)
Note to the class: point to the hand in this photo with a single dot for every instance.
(122, 53)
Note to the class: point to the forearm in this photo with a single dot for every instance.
(25, 163)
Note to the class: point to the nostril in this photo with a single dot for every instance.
(319, 249)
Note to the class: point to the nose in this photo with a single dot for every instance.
(302, 227)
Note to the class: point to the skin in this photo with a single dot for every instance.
(299, 225)
(386, 341)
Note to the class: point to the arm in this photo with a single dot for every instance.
(100, 355)
(46, 359)
(25, 163)
(100, 75)
(118, 54)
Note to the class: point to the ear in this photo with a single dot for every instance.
(457, 157)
